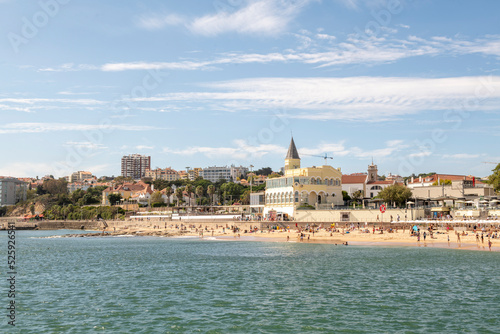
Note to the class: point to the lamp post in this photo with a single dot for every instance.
(251, 180)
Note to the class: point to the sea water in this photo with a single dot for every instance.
(188, 285)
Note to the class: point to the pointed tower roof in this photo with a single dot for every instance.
(292, 151)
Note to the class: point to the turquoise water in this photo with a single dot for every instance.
(163, 285)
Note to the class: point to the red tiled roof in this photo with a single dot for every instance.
(354, 178)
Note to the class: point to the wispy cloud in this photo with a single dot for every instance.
(33, 101)
(244, 151)
(85, 145)
(69, 67)
(461, 156)
(353, 50)
(51, 127)
(261, 17)
(322, 50)
(354, 98)
(155, 21)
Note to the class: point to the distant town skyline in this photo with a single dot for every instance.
(415, 85)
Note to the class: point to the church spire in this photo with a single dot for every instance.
(292, 151)
(292, 160)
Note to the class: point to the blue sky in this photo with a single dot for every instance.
(413, 84)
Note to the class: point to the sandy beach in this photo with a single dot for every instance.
(399, 238)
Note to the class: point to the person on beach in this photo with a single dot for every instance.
(287, 238)
(425, 235)
(418, 236)
(477, 237)
(482, 238)
(489, 244)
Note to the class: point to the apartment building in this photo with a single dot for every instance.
(135, 165)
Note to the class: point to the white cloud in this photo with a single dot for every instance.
(420, 154)
(461, 156)
(354, 98)
(69, 67)
(144, 147)
(326, 51)
(354, 50)
(242, 150)
(263, 17)
(33, 101)
(50, 127)
(156, 21)
(85, 145)
(27, 169)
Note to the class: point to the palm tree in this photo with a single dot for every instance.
(168, 192)
(199, 191)
(178, 194)
(189, 190)
(211, 192)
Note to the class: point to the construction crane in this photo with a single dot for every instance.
(319, 156)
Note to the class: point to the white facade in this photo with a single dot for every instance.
(12, 191)
(135, 165)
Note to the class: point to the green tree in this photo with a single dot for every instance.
(77, 195)
(168, 193)
(178, 194)
(160, 184)
(442, 182)
(114, 198)
(494, 179)
(199, 192)
(232, 190)
(189, 189)
(264, 171)
(211, 192)
(357, 195)
(122, 180)
(345, 196)
(245, 197)
(396, 193)
(56, 187)
(156, 198)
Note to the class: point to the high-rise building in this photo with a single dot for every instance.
(135, 165)
(12, 190)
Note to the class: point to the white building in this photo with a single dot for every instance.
(79, 176)
(135, 165)
(368, 183)
(319, 187)
(12, 191)
(167, 174)
(214, 174)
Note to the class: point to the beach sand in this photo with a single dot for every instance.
(355, 237)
